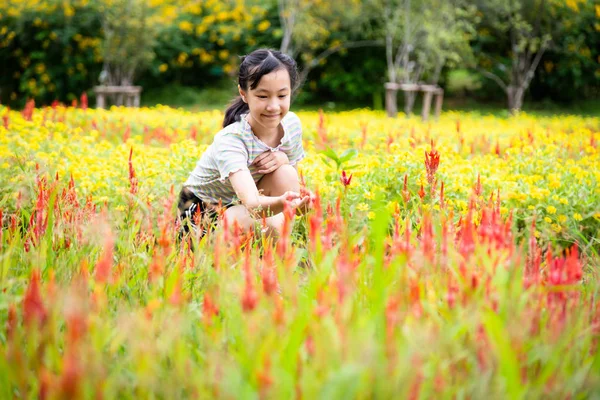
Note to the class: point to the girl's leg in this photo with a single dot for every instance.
(283, 179)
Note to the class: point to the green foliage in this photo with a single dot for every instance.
(46, 52)
(330, 155)
(127, 46)
(55, 50)
(461, 81)
(570, 69)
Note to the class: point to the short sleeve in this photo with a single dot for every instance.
(231, 155)
(296, 153)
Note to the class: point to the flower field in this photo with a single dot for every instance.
(449, 259)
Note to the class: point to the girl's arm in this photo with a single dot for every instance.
(247, 192)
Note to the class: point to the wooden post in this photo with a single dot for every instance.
(426, 104)
(439, 98)
(100, 100)
(391, 99)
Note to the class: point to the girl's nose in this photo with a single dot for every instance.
(273, 105)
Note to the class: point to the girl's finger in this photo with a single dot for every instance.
(267, 170)
(261, 157)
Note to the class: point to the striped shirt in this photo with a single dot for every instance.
(233, 149)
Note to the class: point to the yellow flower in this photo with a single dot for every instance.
(369, 195)
(163, 67)
(186, 26)
(577, 217)
(362, 207)
(548, 219)
(223, 54)
(562, 219)
(263, 26)
(392, 206)
(556, 228)
(537, 233)
(371, 215)
(531, 207)
(564, 201)
(551, 209)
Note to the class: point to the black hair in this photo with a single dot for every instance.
(252, 68)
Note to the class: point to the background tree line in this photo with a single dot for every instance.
(492, 50)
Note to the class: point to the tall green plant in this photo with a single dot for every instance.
(128, 42)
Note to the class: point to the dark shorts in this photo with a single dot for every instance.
(194, 214)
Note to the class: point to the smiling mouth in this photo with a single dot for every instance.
(271, 116)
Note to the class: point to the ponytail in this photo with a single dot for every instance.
(236, 108)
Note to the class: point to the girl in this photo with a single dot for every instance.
(251, 166)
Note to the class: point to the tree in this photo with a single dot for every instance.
(128, 41)
(315, 29)
(421, 37)
(526, 25)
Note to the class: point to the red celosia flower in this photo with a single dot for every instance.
(176, 297)
(209, 308)
(278, 312)
(345, 179)
(105, 262)
(421, 192)
(269, 280)
(405, 192)
(322, 129)
(33, 305)
(268, 273)
(28, 110)
(11, 322)
(477, 187)
(70, 379)
(127, 134)
(432, 162)
(265, 380)
(84, 101)
(249, 295)
(132, 178)
(5, 118)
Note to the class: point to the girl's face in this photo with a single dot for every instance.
(269, 102)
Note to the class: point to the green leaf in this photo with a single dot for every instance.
(507, 358)
(348, 155)
(329, 153)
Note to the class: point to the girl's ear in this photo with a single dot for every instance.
(242, 94)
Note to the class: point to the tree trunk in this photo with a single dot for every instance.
(515, 98)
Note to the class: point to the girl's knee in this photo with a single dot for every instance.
(286, 172)
(238, 215)
(281, 180)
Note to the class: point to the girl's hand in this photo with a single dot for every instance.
(295, 200)
(269, 161)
